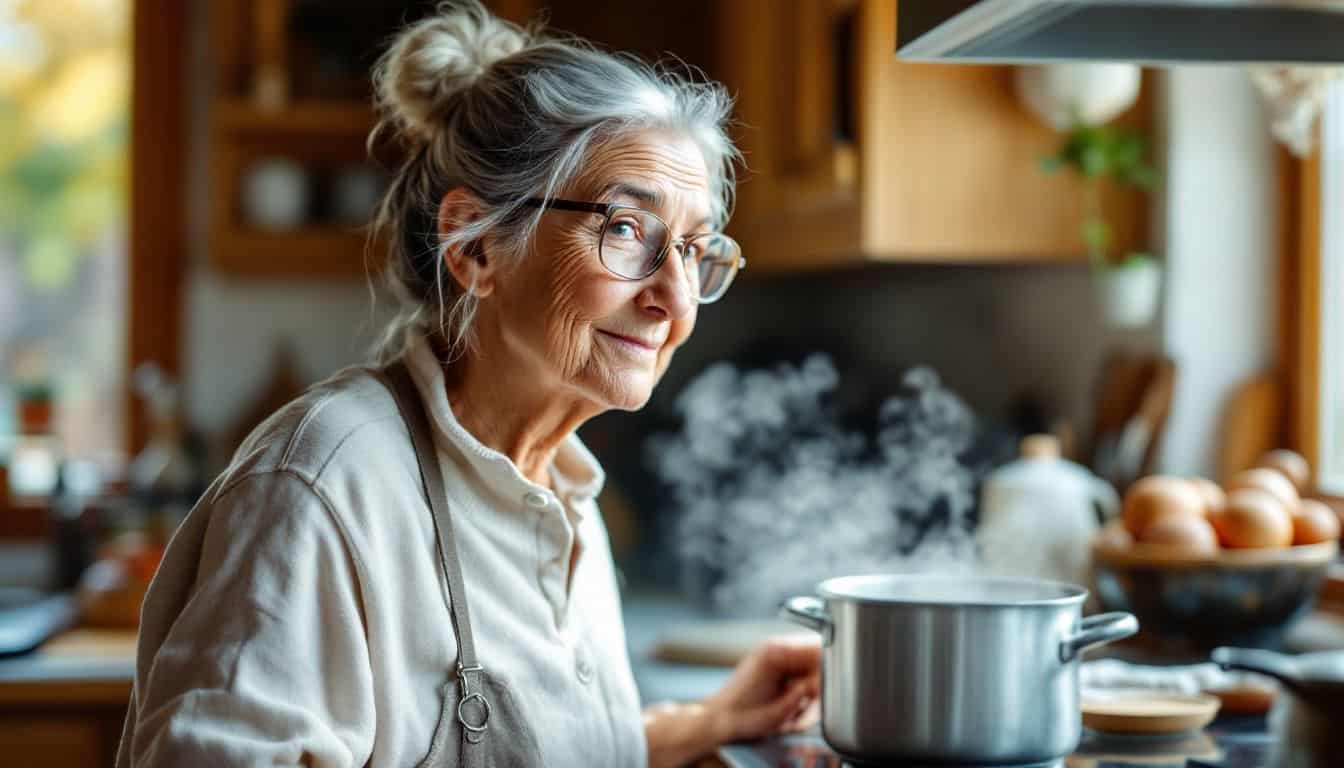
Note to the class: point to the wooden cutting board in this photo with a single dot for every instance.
(719, 643)
(1252, 424)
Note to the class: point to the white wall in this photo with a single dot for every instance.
(1220, 219)
(234, 327)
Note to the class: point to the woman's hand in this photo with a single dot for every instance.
(773, 690)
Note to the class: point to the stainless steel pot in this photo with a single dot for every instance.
(952, 669)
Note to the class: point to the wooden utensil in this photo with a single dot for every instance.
(1133, 402)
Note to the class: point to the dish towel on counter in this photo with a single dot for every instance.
(1109, 675)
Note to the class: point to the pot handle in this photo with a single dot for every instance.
(810, 612)
(1275, 665)
(1098, 630)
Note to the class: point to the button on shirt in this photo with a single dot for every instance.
(299, 614)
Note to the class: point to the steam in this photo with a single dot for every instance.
(775, 495)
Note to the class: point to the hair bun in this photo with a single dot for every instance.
(434, 60)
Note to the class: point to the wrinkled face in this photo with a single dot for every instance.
(583, 330)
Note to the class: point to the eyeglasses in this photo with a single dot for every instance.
(634, 243)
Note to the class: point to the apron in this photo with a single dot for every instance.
(479, 724)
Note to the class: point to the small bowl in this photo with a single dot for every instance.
(1194, 603)
(1148, 712)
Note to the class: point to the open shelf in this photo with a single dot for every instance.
(335, 119)
(322, 137)
(322, 252)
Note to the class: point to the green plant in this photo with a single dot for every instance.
(1101, 155)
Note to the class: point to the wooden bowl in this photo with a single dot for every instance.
(1146, 555)
(1244, 597)
(1245, 698)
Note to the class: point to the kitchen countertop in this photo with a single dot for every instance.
(1227, 743)
(102, 662)
(647, 616)
(91, 665)
(82, 666)
(96, 667)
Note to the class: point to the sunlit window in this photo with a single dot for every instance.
(64, 104)
(1332, 289)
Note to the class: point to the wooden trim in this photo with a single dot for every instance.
(1306, 370)
(1148, 555)
(81, 693)
(157, 210)
(300, 121)
(517, 11)
(23, 518)
(1287, 351)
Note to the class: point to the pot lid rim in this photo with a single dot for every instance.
(1072, 594)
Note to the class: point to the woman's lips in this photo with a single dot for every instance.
(631, 343)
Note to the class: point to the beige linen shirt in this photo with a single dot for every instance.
(299, 615)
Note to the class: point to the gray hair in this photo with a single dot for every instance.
(509, 113)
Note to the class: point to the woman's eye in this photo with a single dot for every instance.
(691, 252)
(623, 229)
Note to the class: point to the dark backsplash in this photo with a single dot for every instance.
(1022, 345)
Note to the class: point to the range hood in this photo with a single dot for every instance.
(1143, 31)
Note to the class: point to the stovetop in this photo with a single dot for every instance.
(1228, 743)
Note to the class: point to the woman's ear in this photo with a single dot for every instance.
(468, 263)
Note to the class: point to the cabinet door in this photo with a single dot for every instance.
(65, 736)
(790, 65)
(852, 154)
(950, 163)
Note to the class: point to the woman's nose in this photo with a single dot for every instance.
(669, 290)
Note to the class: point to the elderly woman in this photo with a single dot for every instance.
(406, 566)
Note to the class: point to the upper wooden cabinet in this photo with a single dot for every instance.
(851, 154)
(855, 155)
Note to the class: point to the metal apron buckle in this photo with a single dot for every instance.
(473, 732)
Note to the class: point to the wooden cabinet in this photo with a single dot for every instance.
(63, 735)
(321, 139)
(853, 155)
(64, 705)
(290, 93)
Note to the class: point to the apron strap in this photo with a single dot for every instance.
(474, 723)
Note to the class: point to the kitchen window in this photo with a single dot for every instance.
(1330, 417)
(64, 148)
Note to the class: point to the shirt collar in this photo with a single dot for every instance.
(576, 472)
